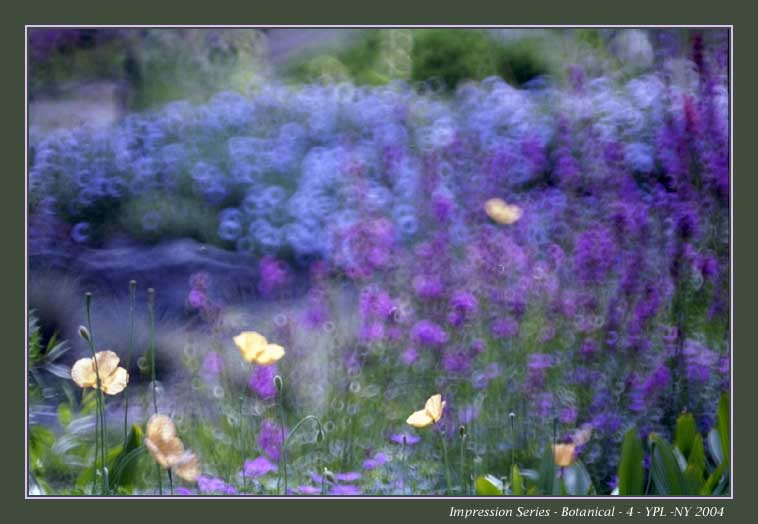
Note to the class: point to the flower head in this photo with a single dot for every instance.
(564, 454)
(431, 413)
(258, 467)
(168, 450)
(255, 348)
(113, 379)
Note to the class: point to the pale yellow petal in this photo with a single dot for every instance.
(270, 354)
(250, 344)
(107, 362)
(155, 452)
(187, 466)
(160, 428)
(83, 373)
(501, 212)
(419, 419)
(115, 383)
(434, 407)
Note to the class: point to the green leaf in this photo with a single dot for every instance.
(696, 458)
(693, 480)
(576, 479)
(714, 446)
(489, 486)
(631, 470)
(64, 414)
(517, 483)
(724, 428)
(665, 469)
(124, 465)
(547, 473)
(685, 433)
(710, 484)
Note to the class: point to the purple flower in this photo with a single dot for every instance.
(308, 490)
(543, 404)
(262, 381)
(212, 365)
(456, 362)
(349, 476)
(379, 459)
(274, 274)
(375, 303)
(505, 328)
(409, 356)
(198, 299)
(270, 439)
(594, 255)
(568, 415)
(181, 490)
(539, 361)
(372, 332)
(699, 361)
(427, 333)
(468, 414)
(464, 302)
(410, 438)
(214, 485)
(427, 287)
(258, 467)
(658, 380)
(345, 490)
(589, 348)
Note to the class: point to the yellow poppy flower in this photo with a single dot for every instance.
(113, 379)
(564, 454)
(255, 348)
(187, 466)
(501, 212)
(431, 413)
(162, 442)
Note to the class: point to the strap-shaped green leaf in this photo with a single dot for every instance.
(724, 428)
(631, 472)
(685, 433)
(517, 482)
(664, 467)
(489, 486)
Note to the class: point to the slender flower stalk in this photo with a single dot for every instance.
(100, 399)
(132, 291)
(280, 411)
(405, 463)
(447, 463)
(463, 435)
(151, 319)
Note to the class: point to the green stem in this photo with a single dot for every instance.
(650, 469)
(513, 444)
(405, 465)
(242, 445)
(170, 482)
(283, 450)
(132, 290)
(463, 477)
(447, 463)
(151, 319)
(100, 401)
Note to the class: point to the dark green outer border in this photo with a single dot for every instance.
(323, 13)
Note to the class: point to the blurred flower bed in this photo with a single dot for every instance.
(550, 258)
